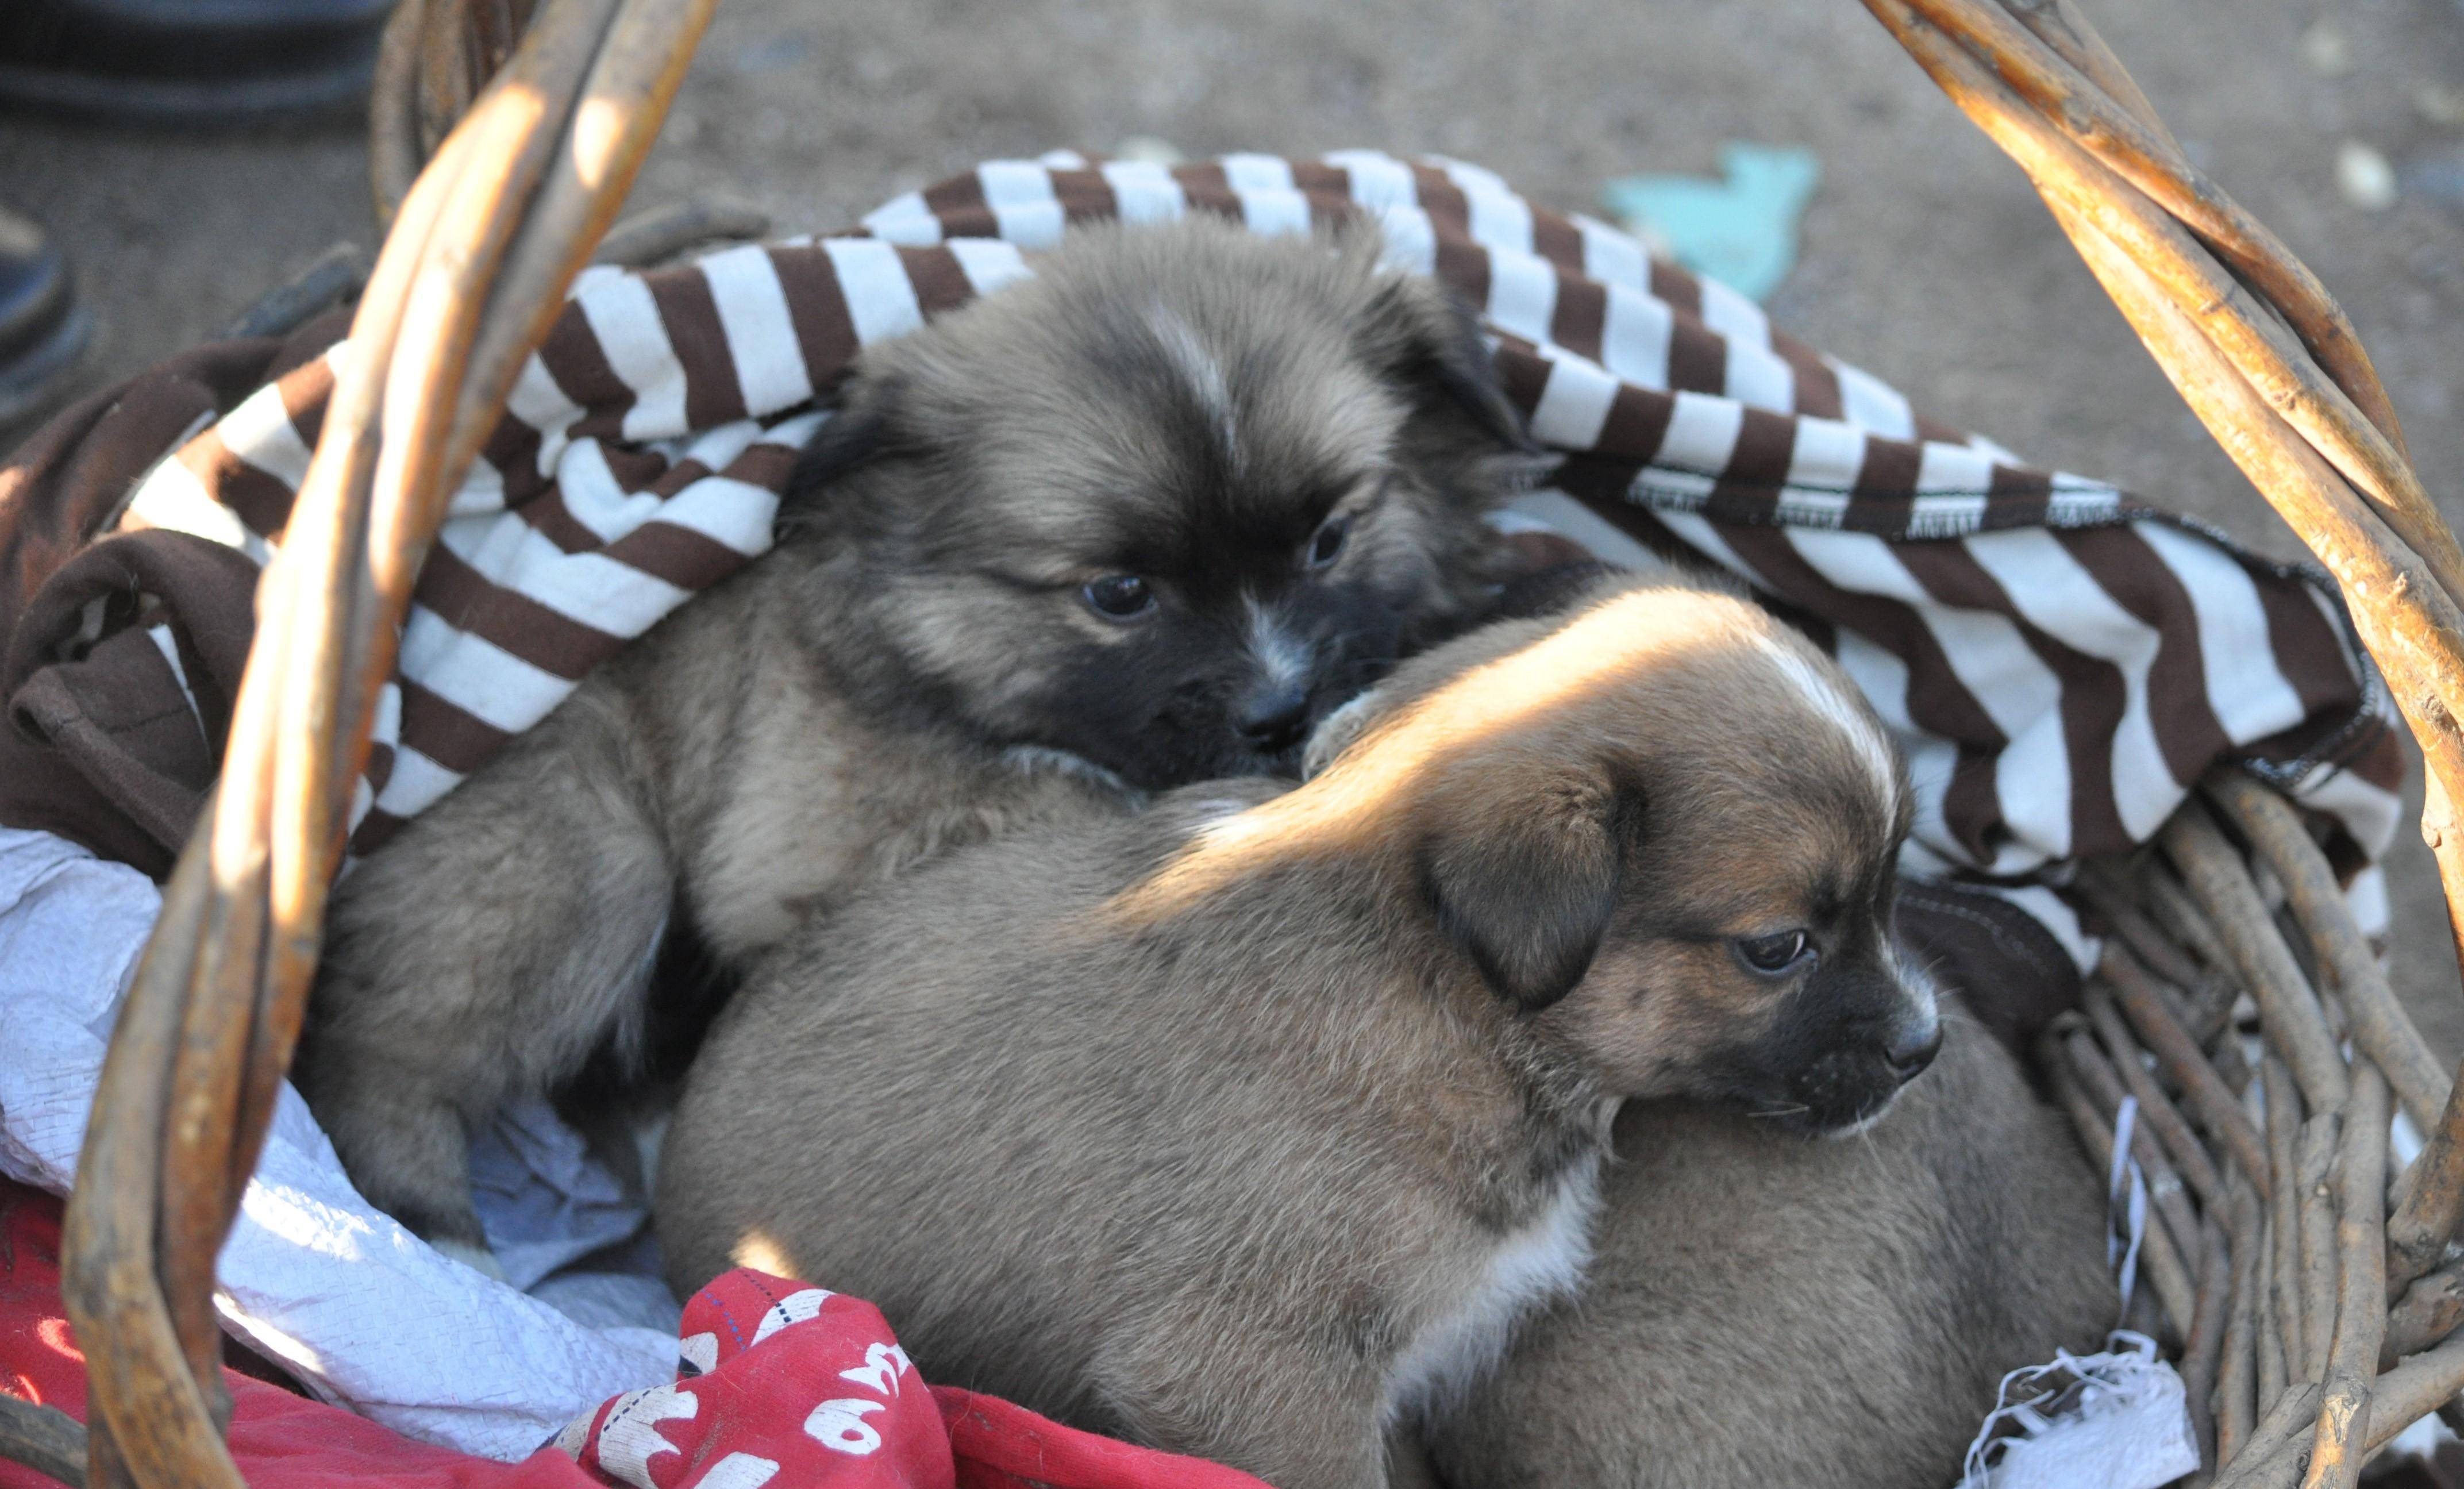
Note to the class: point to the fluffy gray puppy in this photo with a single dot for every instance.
(1140, 521)
(1770, 1313)
(1248, 1125)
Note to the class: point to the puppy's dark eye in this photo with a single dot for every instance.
(1774, 953)
(1118, 597)
(1327, 545)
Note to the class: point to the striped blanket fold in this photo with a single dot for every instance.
(2060, 661)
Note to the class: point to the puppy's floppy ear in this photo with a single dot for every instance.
(865, 427)
(1526, 881)
(1416, 330)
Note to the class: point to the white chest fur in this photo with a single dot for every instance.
(1543, 1259)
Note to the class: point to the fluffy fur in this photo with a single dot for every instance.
(1247, 1126)
(1765, 1312)
(1286, 452)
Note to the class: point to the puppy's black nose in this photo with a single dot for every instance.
(1911, 1048)
(1274, 718)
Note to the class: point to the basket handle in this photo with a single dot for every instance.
(481, 250)
(2274, 369)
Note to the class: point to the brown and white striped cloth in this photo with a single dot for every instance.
(2060, 661)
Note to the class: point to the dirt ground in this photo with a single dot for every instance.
(1925, 256)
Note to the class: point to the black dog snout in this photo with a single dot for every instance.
(1274, 718)
(1911, 1047)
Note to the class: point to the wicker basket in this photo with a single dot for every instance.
(2304, 1279)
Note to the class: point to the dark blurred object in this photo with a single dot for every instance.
(1546, 590)
(435, 57)
(42, 326)
(653, 237)
(188, 61)
(2015, 977)
(331, 279)
(2443, 1468)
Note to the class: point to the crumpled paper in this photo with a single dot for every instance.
(2125, 1425)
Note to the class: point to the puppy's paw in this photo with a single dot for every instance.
(1042, 760)
(1336, 732)
(478, 1259)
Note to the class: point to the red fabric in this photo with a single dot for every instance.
(826, 1401)
(1001, 1445)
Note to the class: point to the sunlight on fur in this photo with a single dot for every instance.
(1379, 773)
(762, 1254)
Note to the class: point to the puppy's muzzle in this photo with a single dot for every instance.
(1885, 1032)
(1911, 1047)
(1273, 717)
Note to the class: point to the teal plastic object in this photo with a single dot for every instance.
(1740, 230)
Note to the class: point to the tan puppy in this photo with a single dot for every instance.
(1769, 1313)
(1247, 1126)
(1140, 521)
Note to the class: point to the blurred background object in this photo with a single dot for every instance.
(178, 64)
(1740, 230)
(42, 326)
(187, 62)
